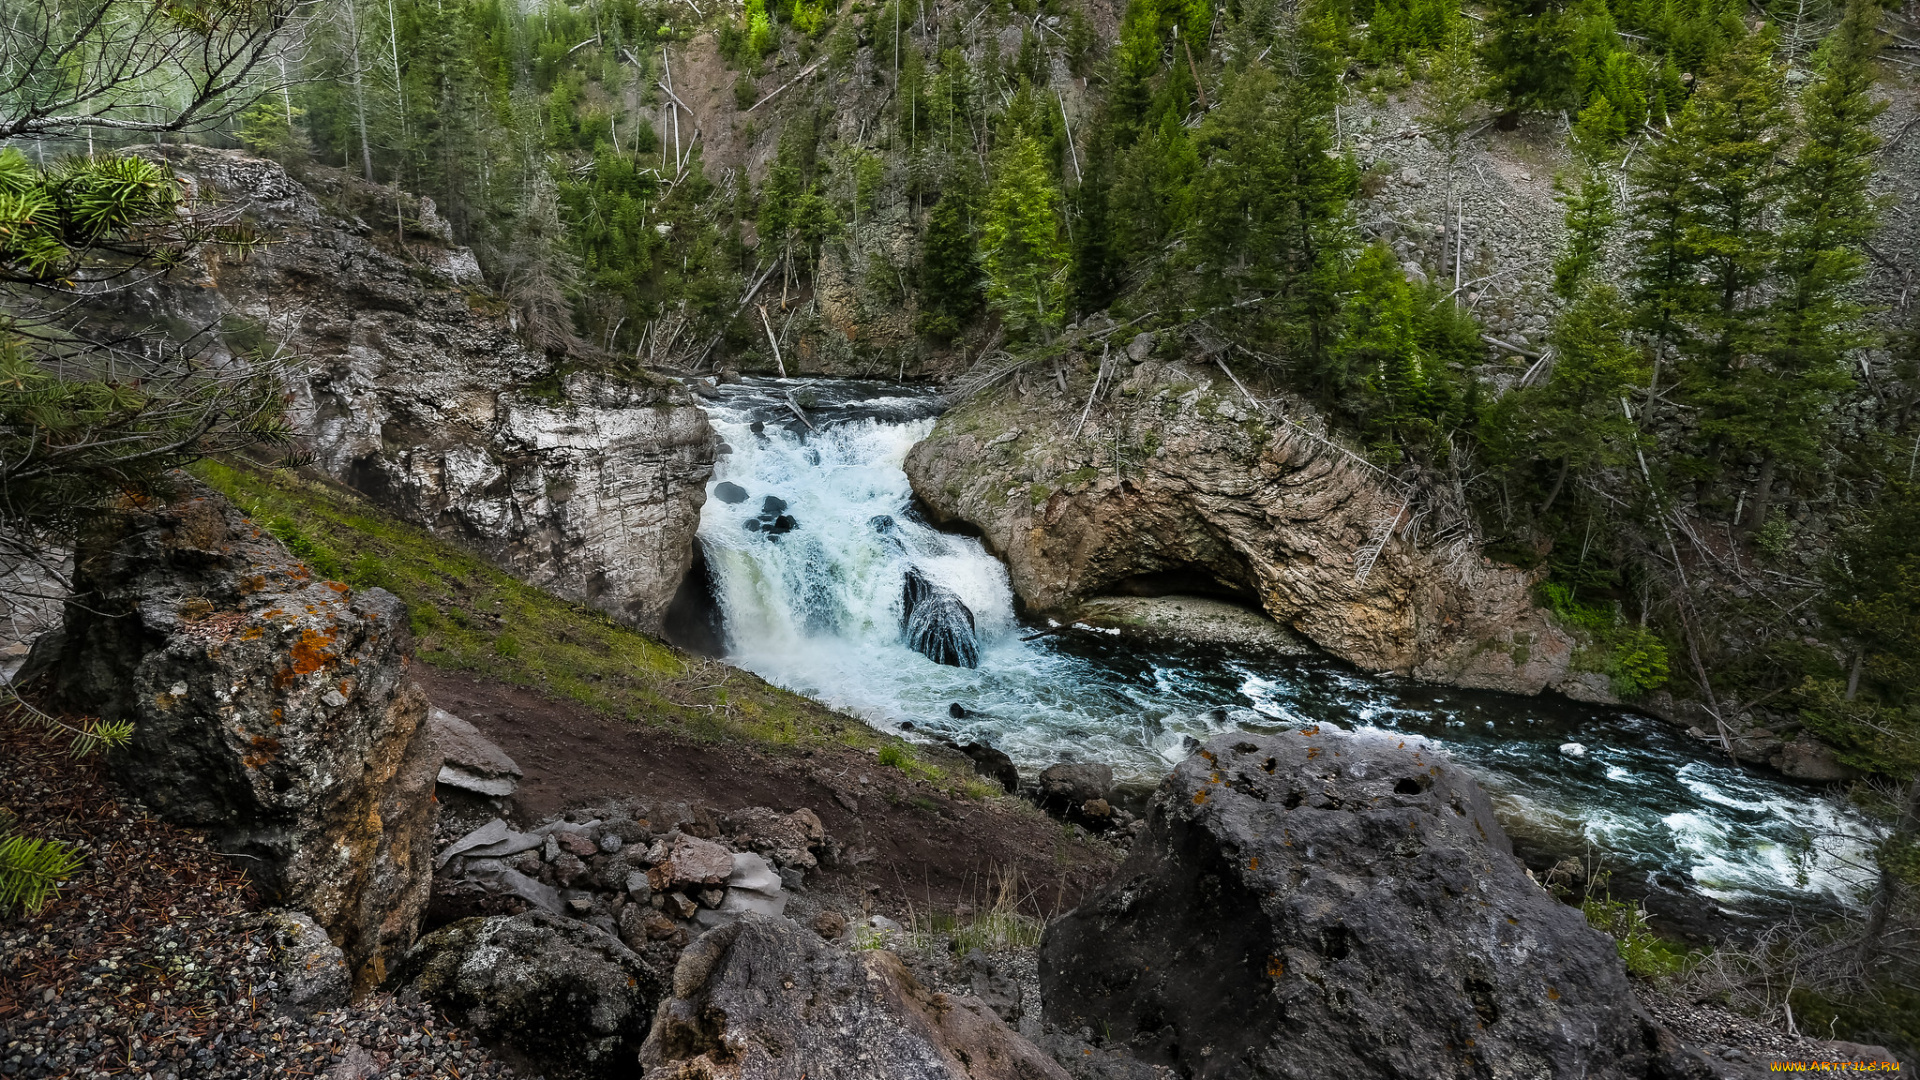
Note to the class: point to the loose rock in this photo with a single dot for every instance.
(558, 989)
(763, 998)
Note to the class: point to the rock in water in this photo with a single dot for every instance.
(729, 492)
(1316, 904)
(1071, 783)
(762, 999)
(937, 624)
(565, 992)
(268, 706)
(992, 763)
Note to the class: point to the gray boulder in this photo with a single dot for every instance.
(268, 706)
(762, 998)
(568, 994)
(312, 971)
(993, 763)
(1808, 759)
(1316, 904)
(469, 760)
(1072, 783)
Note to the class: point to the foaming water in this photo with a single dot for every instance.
(817, 608)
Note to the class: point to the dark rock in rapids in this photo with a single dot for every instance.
(729, 492)
(937, 624)
(773, 506)
(1316, 904)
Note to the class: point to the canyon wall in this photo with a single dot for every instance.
(1217, 494)
(408, 383)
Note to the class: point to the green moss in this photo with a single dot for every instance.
(1633, 657)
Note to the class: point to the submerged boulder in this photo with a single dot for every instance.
(1317, 904)
(268, 706)
(762, 998)
(937, 623)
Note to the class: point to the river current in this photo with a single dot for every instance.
(810, 588)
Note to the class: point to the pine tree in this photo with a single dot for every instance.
(1872, 604)
(1705, 245)
(1827, 214)
(950, 285)
(1096, 264)
(1528, 52)
(1272, 213)
(1590, 220)
(1390, 360)
(1576, 418)
(1152, 195)
(1021, 249)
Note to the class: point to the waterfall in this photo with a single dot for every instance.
(815, 547)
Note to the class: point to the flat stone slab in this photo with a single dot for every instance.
(1199, 619)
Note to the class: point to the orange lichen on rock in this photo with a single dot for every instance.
(311, 653)
(265, 749)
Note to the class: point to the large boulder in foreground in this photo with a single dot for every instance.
(268, 706)
(1316, 904)
(763, 999)
(565, 992)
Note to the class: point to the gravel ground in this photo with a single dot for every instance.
(155, 963)
(1740, 1044)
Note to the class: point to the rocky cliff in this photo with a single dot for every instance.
(408, 382)
(1180, 482)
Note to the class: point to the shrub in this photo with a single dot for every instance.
(31, 871)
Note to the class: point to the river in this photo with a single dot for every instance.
(810, 588)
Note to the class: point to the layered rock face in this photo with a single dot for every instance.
(761, 999)
(411, 386)
(1212, 493)
(268, 706)
(1317, 904)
